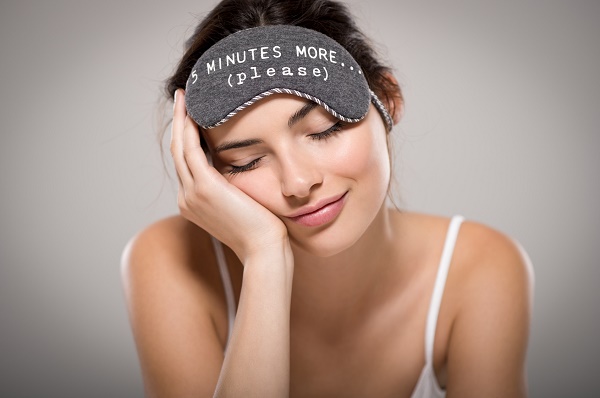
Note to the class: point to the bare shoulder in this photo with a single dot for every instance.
(480, 253)
(490, 290)
(173, 239)
(172, 260)
(483, 325)
(176, 307)
(486, 257)
(491, 275)
(170, 249)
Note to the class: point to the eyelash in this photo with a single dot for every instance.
(327, 133)
(249, 166)
(324, 135)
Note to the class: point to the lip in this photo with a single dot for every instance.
(322, 212)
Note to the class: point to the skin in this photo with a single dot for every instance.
(335, 310)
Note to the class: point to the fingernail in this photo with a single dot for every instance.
(175, 99)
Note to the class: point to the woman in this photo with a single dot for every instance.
(281, 120)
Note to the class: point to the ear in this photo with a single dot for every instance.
(395, 101)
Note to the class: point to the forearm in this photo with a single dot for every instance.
(257, 361)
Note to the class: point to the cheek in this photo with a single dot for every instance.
(363, 156)
(259, 185)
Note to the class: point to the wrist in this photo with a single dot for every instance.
(268, 246)
(272, 260)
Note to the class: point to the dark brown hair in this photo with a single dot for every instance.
(326, 16)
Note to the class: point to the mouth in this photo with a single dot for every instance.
(322, 212)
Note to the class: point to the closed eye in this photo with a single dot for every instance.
(324, 135)
(327, 133)
(248, 166)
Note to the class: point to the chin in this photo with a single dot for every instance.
(327, 241)
(317, 249)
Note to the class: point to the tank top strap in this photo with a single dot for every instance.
(440, 283)
(227, 286)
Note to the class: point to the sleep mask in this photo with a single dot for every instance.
(254, 63)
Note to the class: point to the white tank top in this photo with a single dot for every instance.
(427, 385)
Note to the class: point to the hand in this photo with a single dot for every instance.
(208, 200)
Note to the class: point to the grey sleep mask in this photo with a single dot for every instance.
(252, 64)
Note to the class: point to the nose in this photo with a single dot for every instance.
(299, 174)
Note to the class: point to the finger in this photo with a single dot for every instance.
(192, 149)
(177, 127)
(181, 197)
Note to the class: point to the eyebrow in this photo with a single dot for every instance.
(301, 113)
(295, 118)
(237, 144)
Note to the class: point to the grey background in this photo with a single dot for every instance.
(500, 125)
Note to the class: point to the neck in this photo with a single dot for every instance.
(342, 288)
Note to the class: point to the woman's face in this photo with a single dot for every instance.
(324, 179)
